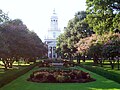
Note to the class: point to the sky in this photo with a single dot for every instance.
(36, 13)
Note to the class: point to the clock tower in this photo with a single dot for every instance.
(53, 33)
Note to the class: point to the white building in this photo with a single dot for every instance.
(53, 33)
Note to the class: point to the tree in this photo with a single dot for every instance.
(101, 15)
(76, 29)
(90, 46)
(98, 47)
(111, 48)
(19, 42)
(62, 47)
(4, 50)
(3, 17)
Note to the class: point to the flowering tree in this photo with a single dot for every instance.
(97, 46)
(111, 49)
(89, 46)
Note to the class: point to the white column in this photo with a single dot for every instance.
(55, 55)
(48, 51)
(52, 52)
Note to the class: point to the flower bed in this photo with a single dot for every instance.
(52, 63)
(60, 76)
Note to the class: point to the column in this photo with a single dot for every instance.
(56, 55)
(52, 52)
(48, 52)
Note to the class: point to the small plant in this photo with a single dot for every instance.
(60, 78)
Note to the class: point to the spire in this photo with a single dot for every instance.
(54, 11)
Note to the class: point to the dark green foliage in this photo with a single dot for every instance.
(76, 29)
(103, 15)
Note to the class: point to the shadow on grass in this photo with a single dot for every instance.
(10, 71)
(2, 70)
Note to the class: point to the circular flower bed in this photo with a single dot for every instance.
(60, 76)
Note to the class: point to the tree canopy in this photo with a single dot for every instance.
(3, 16)
(17, 41)
(91, 31)
(76, 29)
(102, 15)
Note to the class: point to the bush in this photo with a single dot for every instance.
(60, 78)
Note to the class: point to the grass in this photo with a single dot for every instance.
(10, 71)
(101, 83)
(106, 66)
(16, 68)
(6, 76)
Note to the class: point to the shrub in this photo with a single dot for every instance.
(60, 78)
(51, 78)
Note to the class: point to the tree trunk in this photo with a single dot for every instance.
(95, 60)
(34, 59)
(84, 58)
(5, 64)
(118, 65)
(78, 59)
(70, 57)
(11, 63)
(112, 64)
(101, 64)
(5, 67)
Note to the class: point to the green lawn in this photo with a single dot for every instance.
(100, 84)
(11, 71)
(106, 66)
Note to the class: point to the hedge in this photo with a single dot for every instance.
(9, 78)
(107, 74)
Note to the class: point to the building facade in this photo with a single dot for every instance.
(53, 33)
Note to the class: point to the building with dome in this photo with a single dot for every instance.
(53, 33)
